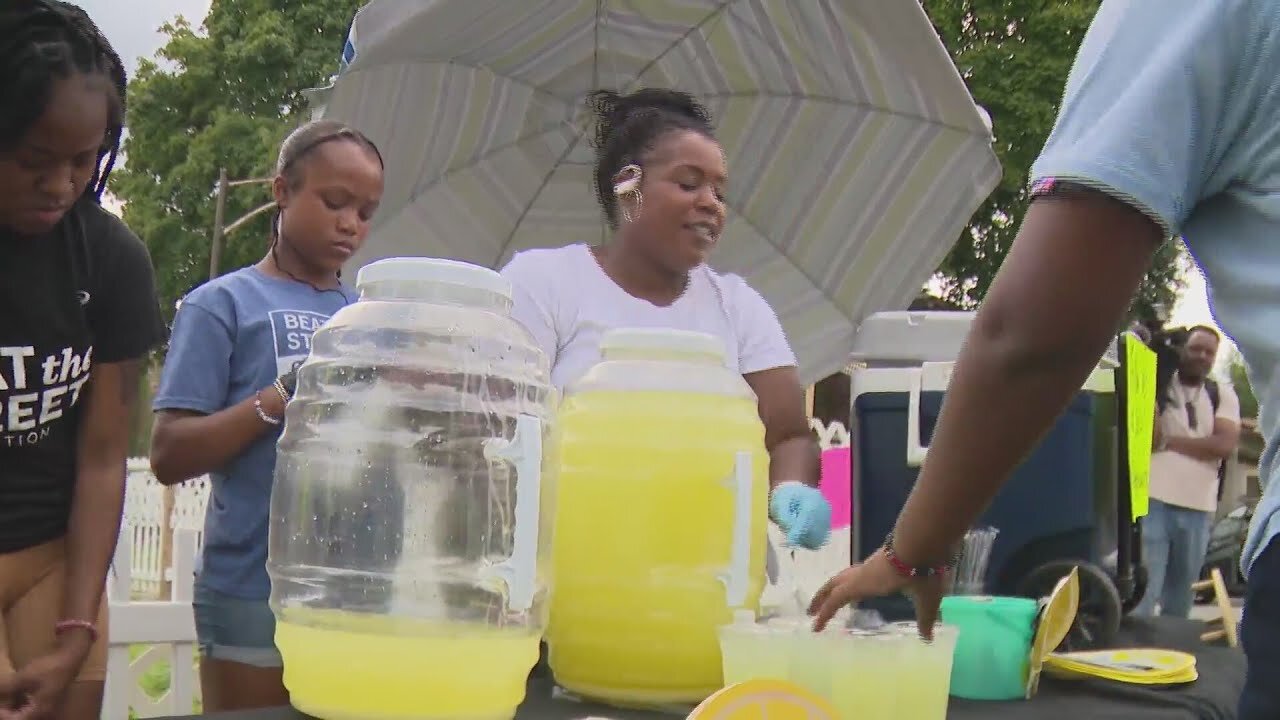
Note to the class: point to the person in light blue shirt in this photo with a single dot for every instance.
(233, 353)
(1170, 126)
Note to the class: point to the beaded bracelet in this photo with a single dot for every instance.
(65, 625)
(908, 571)
(282, 391)
(262, 414)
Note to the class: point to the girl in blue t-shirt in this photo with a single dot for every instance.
(235, 345)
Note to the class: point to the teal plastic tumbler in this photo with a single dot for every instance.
(994, 649)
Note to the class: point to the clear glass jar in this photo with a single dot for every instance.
(408, 516)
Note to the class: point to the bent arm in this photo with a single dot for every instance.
(1050, 313)
(1217, 446)
(186, 444)
(793, 449)
(98, 499)
(196, 431)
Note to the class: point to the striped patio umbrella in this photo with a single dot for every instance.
(855, 153)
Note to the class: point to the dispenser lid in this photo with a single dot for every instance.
(662, 339)
(433, 270)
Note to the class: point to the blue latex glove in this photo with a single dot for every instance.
(803, 513)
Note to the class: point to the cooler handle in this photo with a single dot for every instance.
(737, 577)
(915, 386)
(524, 452)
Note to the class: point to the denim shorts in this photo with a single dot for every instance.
(235, 629)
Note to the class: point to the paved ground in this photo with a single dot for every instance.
(1205, 612)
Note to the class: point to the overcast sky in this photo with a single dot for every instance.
(133, 26)
(133, 29)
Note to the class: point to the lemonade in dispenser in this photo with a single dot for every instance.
(662, 484)
(408, 512)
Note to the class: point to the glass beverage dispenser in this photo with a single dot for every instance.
(408, 516)
(662, 484)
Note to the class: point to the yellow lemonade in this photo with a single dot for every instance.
(868, 676)
(924, 672)
(348, 666)
(644, 529)
(752, 652)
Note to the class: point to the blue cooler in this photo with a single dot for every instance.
(1046, 512)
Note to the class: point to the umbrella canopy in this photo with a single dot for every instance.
(855, 153)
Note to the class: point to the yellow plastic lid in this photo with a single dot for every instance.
(1055, 623)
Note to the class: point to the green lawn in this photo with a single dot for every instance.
(155, 682)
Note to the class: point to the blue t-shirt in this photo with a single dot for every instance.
(1173, 106)
(232, 337)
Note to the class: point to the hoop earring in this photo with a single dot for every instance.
(627, 214)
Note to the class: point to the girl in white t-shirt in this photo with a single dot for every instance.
(660, 177)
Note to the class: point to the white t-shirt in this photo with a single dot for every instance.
(566, 301)
(1185, 481)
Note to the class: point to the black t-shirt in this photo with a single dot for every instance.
(80, 296)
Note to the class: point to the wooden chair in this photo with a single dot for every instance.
(1222, 626)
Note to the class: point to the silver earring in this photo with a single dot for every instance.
(628, 214)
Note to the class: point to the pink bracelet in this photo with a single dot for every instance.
(65, 625)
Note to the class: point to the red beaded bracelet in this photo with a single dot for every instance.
(65, 625)
(908, 571)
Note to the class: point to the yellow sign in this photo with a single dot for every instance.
(764, 700)
(1140, 384)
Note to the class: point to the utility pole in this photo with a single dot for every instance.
(219, 211)
(220, 230)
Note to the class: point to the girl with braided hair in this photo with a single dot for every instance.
(233, 356)
(80, 314)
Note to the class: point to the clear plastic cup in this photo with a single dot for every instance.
(924, 671)
(749, 651)
(866, 671)
(812, 657)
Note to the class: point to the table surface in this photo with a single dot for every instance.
(1212, 697)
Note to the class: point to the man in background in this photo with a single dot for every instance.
(1196, 431)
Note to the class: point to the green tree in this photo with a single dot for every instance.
(1239, 376)
(224, 97)
(1015, 56)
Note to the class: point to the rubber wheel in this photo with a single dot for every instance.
(1140, 580)
(1098, 619)
(1236, 584)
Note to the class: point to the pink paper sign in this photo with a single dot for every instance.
(837, 485)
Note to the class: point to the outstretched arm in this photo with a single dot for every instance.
(1051, 311)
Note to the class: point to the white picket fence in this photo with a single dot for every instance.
(152, 636)
(162, 629)
(149, 632)
(144, 508)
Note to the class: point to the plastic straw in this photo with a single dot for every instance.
(969, 577)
